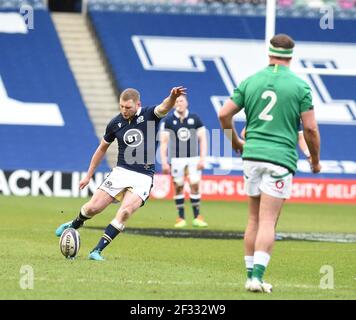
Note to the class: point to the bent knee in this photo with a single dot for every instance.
(92, 208)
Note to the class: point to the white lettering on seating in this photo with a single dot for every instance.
(14, 112)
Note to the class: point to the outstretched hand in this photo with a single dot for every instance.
(178, 91)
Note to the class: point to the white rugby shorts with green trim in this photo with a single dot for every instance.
(268, 178)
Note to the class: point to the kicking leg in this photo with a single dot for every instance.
(99, 201)
(130, 203)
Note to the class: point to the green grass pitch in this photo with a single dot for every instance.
(154, 268)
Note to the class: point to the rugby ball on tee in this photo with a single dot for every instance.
(69, 243)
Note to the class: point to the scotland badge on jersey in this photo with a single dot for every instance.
(190, 121)
(140, 119)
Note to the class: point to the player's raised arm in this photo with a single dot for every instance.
(95, 161)
(168, 103)
(226, 114)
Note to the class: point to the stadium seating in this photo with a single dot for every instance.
(15, 4)
(131, 39)
(343, 9)
(44, 124)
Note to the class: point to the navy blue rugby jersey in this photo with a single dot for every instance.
(136, 139)
(183, 138)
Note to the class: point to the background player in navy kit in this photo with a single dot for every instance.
(135, 129)
(185, 134)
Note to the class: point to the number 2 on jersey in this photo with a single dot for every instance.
(264, 114)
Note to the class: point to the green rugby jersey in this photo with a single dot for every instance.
(273, 100)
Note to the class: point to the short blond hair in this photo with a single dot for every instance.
(130, 94)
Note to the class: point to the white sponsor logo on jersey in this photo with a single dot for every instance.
(133, 137)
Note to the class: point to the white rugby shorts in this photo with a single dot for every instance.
(121, 180)
(267, 177)
(181, 166)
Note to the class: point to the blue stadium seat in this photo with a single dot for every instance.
(145, 62)
(44, 123)
(214, 7)
(15, 4)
